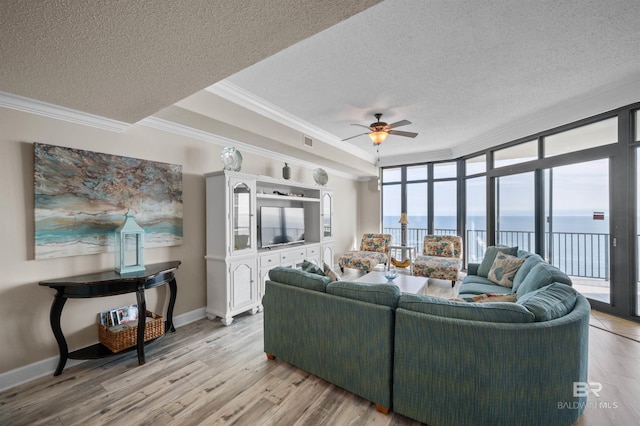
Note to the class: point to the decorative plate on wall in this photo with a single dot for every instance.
(320, 176)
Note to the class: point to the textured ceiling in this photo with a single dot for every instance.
(469, 74)
(463, 72)
(126, 60)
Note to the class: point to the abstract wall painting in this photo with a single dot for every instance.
(81, 197)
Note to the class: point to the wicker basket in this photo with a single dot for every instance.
(122, 339)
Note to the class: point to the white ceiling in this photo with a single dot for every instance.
(469, 74)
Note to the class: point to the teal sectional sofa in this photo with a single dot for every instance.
(435, 360)
(534, 273)
(341, 332)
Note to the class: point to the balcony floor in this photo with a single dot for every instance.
(592, 288)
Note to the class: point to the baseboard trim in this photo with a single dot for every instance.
(24, 374)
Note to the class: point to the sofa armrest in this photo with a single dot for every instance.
(472, 268)
(440, 362)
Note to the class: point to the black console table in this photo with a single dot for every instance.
(110, 283)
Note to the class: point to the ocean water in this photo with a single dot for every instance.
(59, 237)
(579, 224)
(51, 234)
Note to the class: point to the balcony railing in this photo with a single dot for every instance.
(575, 253)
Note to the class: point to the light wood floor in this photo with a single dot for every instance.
(207, 373)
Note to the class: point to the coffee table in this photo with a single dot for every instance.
(406, 283)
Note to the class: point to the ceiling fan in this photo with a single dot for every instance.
(379, 130)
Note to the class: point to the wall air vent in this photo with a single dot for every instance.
(308, 142)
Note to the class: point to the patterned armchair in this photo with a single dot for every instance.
(441, 258)
(373, 251)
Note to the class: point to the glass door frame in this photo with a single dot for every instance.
(619, 203)
(550, 217)
(623, 193)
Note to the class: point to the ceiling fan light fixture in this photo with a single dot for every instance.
(378, 137)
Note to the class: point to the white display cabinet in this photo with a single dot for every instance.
(238, 261)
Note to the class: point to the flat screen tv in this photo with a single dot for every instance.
(281, 225)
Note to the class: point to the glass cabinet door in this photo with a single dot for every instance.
(241, 217)
(327, 231)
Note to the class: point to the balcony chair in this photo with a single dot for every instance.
(441, 258)
(374, 249)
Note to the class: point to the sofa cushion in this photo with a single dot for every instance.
(439, 248)
(481, 285)
(550, 302)
(488, 298)
(530, 260)
(299, 278)
(490, 256)
(541, 275)
(379, 294)
(488, 312)
(504, 268)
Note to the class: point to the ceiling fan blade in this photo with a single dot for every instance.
(362, 125)
(401, 133)
(398, 124)
(354, 136)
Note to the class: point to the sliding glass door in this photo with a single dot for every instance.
(577, 238)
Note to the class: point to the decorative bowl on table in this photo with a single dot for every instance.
(390, 275)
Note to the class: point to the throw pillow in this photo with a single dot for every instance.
(439, 248)
(298, 278)
(550, 302)
(489, 312)
(504, 268)
(490, 256)
(311, 267)
(328, 272)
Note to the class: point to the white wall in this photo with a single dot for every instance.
(369, 208)
(25, 333)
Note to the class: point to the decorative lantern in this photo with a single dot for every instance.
(129, 242)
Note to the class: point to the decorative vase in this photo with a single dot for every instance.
(286, 171)
(231, 159)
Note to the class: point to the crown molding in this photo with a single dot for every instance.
(45, 109)
(248, 100)
(190, 132)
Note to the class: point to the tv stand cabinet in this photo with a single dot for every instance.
(237, 266)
